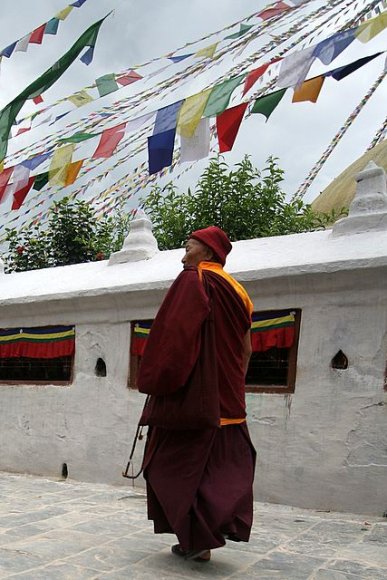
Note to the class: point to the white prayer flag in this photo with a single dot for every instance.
(198, 146)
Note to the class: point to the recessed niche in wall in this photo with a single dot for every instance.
(339, 361)
(65, 471)
(100, 368)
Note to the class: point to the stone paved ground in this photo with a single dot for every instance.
(55, 529)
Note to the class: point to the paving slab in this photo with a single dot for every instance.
(68, 530)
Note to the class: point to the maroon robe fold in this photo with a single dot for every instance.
(199, 481)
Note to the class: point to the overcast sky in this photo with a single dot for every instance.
(296, 133)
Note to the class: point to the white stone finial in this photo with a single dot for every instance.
(368, 210)
(140, 243)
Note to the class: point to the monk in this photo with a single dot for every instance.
(199, 460)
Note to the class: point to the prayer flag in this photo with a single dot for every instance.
(134, 124)
(73, 171)
(40, 181)
(227, 125)
(106, 84)
(38, 99)
(295, 67)
(275, 10)
(179, 58)
(78, 3)
(128, 78)
(22, 44)
(62, 15)
(166, 118)
(23, 130)
(371, 28)
(52, 26)
(220, 96)
(59, 164)
(309, 90)
(109, 141)
(20, 177)
(88, 56)
(35, 161)
(272, 330)
(253, 76)
(37, 35)
(207, 52)
(8, 50)
(78, 137)
(45, 81)
(20, 195)
(198, 146)
(81, 98)
(266, 104)
(343, 71)
(242, 30)
(191, 113)
(327, 50)
(4, 179)
(160, 150)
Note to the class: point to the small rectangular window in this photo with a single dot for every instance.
(37, 355)
(274, 338)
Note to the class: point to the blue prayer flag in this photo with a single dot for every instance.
(179, 58)
(78, 3)
(327, 50)
(34, 162)
(52, 26)
(166, 118)
(8, 50)
(88, 56)
(160, 150)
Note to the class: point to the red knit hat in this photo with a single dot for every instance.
(216, 240)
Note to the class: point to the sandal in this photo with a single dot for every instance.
(196, 555)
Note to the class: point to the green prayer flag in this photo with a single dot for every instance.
(40, 181)
(44, 82)
(268, 103)
(220, 96)
(243, 29)
(106, 84)
(78, 137)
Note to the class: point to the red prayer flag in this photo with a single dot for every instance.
(227, 125)
(37, 35)
(23, 131)
(274, 11)
(19, 196)
(4, 178)
(38, 99)
(109, 141)
(254, 75)
(129, 78)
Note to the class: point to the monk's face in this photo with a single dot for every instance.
(196, 252)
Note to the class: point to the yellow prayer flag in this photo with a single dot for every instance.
(1, 166)
(62, 15)
(61, 159)
(72, 172)
(208, 51)
(309, 90)
(191, 113)
(81, 98)
(371, 28)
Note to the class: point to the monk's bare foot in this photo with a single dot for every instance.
(196, 555)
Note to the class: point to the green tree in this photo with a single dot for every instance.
(245, 202)
(72, 235)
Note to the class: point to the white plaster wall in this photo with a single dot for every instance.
(325, 446)
(89, 425)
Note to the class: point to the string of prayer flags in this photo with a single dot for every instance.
(295, 67)
(266, 104)
(191, 112)
(243, 29)
(109, 141)
(198, 146)
(166, 118)
(220, 96)
(227, 125)
(20, 195)
(45, 81)
(371, 28)
(106, 84)
(160, 150)
(275, 10)
(59, 164)
(309, 90)
(207, 52)
(343, 71)
(327, 50)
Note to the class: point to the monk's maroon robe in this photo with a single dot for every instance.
(199, 481)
